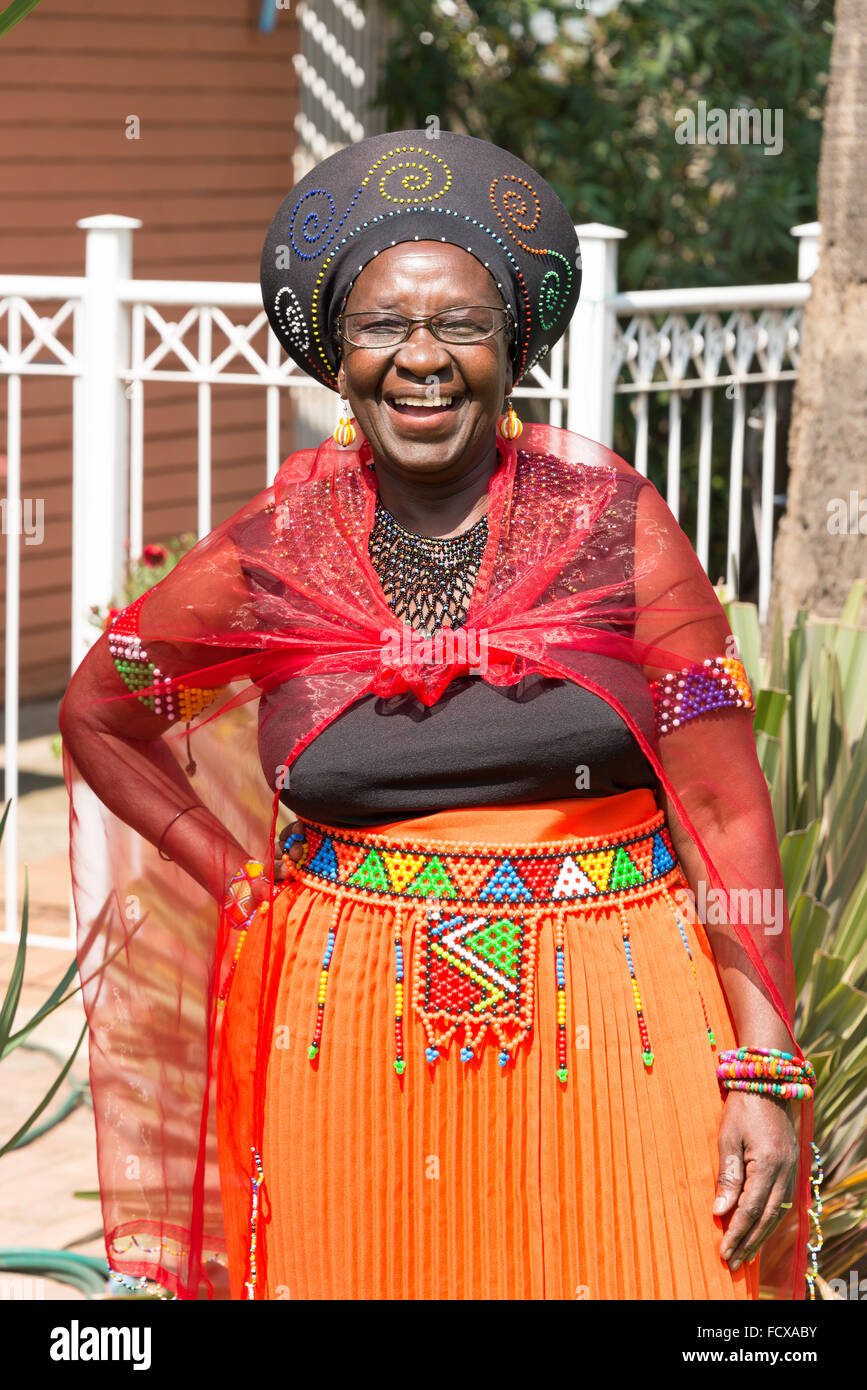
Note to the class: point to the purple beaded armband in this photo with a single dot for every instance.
(719, 682)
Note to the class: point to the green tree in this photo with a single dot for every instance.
(590, 100)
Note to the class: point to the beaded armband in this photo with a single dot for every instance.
(138, 672)
(719, 682)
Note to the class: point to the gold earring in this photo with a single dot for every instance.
(509, 426)
(344, 432)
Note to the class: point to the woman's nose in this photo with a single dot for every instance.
(421, 346)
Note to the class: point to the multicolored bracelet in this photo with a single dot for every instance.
(767, 1071)
(238, 894)
(719, 682)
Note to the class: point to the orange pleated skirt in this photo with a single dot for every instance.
(473, 1179)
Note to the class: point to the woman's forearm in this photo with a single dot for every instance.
(118, 748)
(142, 783)
(757, 1022)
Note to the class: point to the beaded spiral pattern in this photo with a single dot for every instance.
(481, 907)
(138, 672)
(427, 581)
(719, 682)
(395, 188)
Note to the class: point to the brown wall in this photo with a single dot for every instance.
(216, 101)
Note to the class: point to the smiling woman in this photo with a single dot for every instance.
(433, 463)
(462, 1034)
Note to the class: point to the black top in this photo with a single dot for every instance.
(389, 759)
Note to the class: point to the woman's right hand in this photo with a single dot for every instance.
(260, 886)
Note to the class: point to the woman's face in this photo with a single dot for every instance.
(419, 278)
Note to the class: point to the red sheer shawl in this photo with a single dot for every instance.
(585, 576)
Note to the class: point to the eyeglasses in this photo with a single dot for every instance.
(380, 329)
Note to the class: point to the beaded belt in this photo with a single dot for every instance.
(481, 907)
(539, 873)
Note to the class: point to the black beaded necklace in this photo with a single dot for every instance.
(427, 581)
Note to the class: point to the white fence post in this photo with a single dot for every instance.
(100, 513)
(807, 234)
(591, 335)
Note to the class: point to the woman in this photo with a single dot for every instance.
(500, 696)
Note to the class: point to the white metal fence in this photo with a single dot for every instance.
(113, 335)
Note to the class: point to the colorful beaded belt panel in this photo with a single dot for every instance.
(482, 905)
(532, 874)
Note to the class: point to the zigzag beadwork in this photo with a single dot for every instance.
(540, 875)
(476, 971)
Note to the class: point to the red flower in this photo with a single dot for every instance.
(154, 554)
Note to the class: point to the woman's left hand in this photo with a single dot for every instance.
(758, 1163)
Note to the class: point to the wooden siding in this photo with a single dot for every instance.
(216, 103)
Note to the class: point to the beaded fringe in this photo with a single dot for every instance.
(255, 1183)
(313, 1049)
(560, 971)
(224, 992)
(646, 1049)
(442, 938)
(815, 1212)
(680, 927)
(468, 916)
(511, 1030)
(399, 1060)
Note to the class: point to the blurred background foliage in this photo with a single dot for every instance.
(590, 100)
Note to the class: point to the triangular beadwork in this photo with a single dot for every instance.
(662, 857)
(597, 866)
(433, 881)
(324, 862)
(505, 885)
(541, 873)
(401, 868)
(641, 854)
(624, 874)
(572, 882)
(348, 857)
(371, 874)
(500, 942)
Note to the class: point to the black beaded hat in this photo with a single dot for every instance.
(409, 186)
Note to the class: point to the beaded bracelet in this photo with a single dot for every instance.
(767, 1071)
(234, 903)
